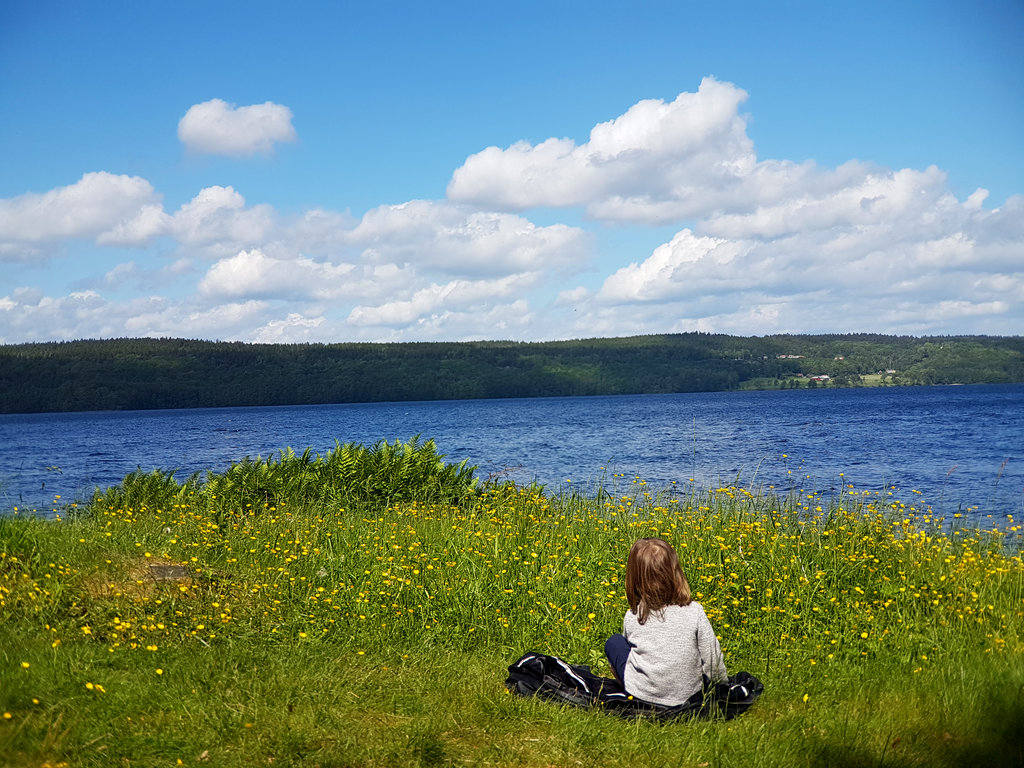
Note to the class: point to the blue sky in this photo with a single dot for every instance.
(400, 171)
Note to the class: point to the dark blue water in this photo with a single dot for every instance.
(960, 447)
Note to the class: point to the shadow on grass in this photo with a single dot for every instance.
(990, 738)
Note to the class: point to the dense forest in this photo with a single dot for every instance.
(122, 374)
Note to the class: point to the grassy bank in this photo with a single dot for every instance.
(312, 632)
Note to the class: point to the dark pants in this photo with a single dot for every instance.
(617, 649)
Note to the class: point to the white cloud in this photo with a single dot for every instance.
(147, 222)
(293, 329)
(658, 162)
(852, 196)
(31, 316)
(254, 274)
(320, 231)
(429, 302)
(218, 217)
(121, 273)
(218, 128)
(444, 268)
(686, 265)
(892, 252)
(95, 204)
(510, 320)
(385, 260)
(759, 246)
(126, 211)
(456, 239)
(216, 221)
(691, 161)
(162, 318)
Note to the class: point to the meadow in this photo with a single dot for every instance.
(361, 609)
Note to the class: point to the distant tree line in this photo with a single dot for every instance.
(127, 374)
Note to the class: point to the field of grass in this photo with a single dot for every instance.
(189, 628)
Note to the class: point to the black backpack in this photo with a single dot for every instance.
(550, 678)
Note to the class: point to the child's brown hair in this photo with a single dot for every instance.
(654, 578)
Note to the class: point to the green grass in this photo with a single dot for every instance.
(378, 633)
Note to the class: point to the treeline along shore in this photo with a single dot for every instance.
(144, 373)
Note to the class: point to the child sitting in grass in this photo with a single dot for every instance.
(667, 646)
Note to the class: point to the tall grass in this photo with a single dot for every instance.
(350, 473)
(375, 629)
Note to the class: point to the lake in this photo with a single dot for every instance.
(961, 448)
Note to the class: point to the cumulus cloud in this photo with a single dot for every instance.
(254, 274)
(230, 321)
(118, 210)
(293, 329)
(854, 195)
(97, 203)
(768, 239)
(752, 246)
(894, 252)
(319, 274)
(217, 219)
(121, 273)
(216, 127)
(427, 303)
(29, 315)
(501, 320)
(218, 216)
(390, 268)
(691, 160)
(658, 162)
(390, 248)
(321, 231)
(453, 238)
(143, 224)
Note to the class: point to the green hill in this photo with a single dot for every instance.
(126, 374)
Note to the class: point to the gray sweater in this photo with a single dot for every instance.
(670, 653)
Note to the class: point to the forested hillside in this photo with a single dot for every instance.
(118, 374)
